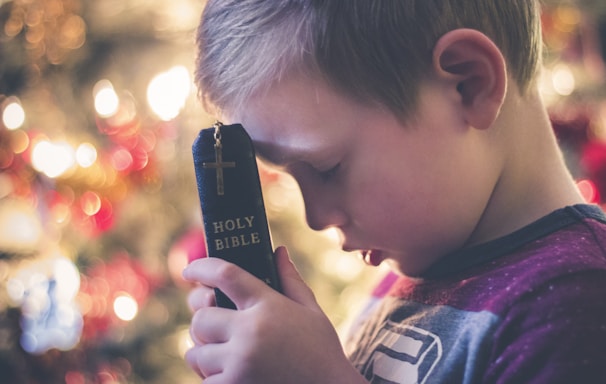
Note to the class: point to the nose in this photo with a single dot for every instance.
(323, 207)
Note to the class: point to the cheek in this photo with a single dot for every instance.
(383, 204)
(407, 209)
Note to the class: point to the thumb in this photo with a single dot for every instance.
(292, 283)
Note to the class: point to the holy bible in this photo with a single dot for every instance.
(233, 212)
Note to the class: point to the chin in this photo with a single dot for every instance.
(413, 270)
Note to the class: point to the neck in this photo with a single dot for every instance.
(534, 180)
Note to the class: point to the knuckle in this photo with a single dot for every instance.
(201, 297)
(227, 272)
(196, 340)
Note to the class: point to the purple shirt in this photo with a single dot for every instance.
(526, 308)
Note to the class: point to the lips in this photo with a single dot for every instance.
(372, 257)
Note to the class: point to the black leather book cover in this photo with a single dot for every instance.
(233, 212)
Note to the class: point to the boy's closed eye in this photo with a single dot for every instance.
(330, 173)
(282, 164)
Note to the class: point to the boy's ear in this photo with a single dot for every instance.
(469, 61)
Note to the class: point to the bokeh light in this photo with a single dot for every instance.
(13, 115)
(107, 101)
(168, 91)
(20, 227)
(121, 159)
(69, 278)
(566, 18)
(90, 202)
(563, 80)
(588, 190)
(53, 158)
(125, 307)
(86, 155)
(20, 141)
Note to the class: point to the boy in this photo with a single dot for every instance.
(416, 129)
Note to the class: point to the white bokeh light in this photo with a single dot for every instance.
(13, 115)
(107, 101)
(563, 80)
(168, 92)
(53, 158)
(68, 278)
(125, 307)
(86, 155)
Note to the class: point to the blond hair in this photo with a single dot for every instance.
(370, 50)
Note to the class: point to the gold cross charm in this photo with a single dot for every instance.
(219, 164)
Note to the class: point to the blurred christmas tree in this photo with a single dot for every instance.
(98, 204)
(573, 85)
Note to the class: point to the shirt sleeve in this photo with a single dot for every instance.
(554, 334)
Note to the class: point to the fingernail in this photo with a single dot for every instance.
(185, 272)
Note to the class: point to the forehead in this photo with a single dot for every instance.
(299, 116)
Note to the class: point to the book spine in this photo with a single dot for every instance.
(233, 212)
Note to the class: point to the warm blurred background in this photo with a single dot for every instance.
(98, 203)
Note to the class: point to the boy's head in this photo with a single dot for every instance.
(371, 51)
(394, 116)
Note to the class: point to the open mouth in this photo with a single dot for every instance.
(372, 257)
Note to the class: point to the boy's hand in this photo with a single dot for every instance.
(271, 338)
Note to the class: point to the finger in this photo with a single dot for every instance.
(191, 360)
(205, 360)
(201, 297)
(243, 288)
(293, 285)
(211, 325)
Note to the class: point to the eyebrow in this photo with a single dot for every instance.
(280, 156)
(270, 156)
